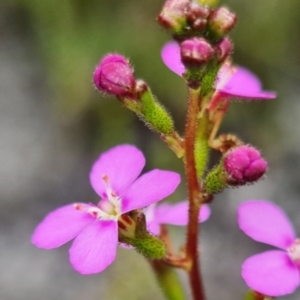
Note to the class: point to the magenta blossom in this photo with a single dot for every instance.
(94, 228)
(275, 272)
(172, 214)
(233, 82)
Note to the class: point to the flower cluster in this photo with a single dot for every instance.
(128, 211)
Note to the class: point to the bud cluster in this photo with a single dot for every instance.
(201, 29)
(186, 19)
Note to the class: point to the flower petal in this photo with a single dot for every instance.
(271, 273)
(265, 222)
(95, 248)
(150, 188)
(177, 214)
(242, 83)
(61, 226)
(122, 164)
(170, 54)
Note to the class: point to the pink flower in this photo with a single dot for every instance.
(275, 272)
(172, 214)
(236, 82)
(94, 228)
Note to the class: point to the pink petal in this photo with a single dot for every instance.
(177, 214)
(271, 273)
(265, 222)
(153, 227)
(61, 226)
(122, 164)
(150, 188)
(95, 248)
(170, 54)
(151, 219)
(241, 83)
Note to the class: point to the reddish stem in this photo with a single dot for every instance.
(194, 196)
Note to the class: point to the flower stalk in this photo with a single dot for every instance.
(194, 195)
(168, 280)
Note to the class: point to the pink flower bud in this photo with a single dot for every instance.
(197, 15)
(223, 49)
(221, 21)
(244, 165)
(173, 15)
(195, 52)
(114, 75)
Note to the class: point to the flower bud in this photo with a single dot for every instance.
(195, 52)
(221, 21)
(223, 49)
(239, 166)
(114, 76)
(197, 15)
(243, 165)
(173, 15)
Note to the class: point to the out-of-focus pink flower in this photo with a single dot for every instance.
(172, 214)
(276, 272)
(244, 164)
(94, 228)
(232, 82)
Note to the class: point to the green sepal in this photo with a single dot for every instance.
(250, 296)
(132, 104)
(194, 75)
(154, 114)
(210, 3)
(150, 246)
(209, 79)
(201, 145)
(215, 180)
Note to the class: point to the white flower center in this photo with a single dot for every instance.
(294, 252)
(107, 209)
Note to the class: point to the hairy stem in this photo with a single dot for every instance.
(194, 196)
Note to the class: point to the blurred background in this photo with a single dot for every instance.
(53, 124)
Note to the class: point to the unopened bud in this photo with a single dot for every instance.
(114, 76)
(239, 166)
(224, 49)
(243, 165)
(195, 52)
(197, 15)
(221, 21)
(173, 15)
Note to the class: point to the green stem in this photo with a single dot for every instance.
(194, 196)
(168, 280)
